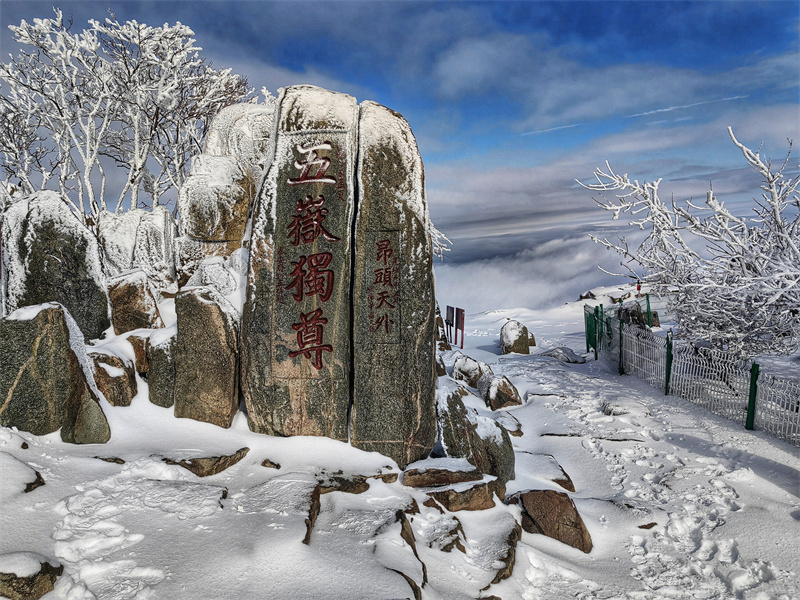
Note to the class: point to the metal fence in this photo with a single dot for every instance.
(725, 384)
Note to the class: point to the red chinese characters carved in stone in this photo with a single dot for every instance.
(311, 278)
(306, 225)
(310, 334)
(312, 160)
(384, 252)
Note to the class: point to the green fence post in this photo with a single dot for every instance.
(586, 327)
(596, 327)
(621, 360)
(668, 366)
(649, 314)
(751, 404)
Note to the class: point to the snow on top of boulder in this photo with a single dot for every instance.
(381, 127)
(510, 332)
(40, 207)
(163, 336)
(28, 313)
(23, 564)
(79, 348)
(317, 105)
(445, 463)
(117, 234)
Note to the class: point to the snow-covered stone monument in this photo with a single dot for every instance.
(299, 273)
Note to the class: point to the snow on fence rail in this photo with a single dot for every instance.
(718, 381)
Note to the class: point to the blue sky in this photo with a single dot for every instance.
(512, 101)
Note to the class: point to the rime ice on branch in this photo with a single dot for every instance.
(744, 293)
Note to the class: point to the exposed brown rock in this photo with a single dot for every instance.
(469, 370)
(313, 513)
(553, 514)
(33, 587)
(140, 342)
(269, 464)
(435, 477)
(115, 378)
(211, 465)
(498, 392)
(133, 305)
(38, 482)
(478, 496)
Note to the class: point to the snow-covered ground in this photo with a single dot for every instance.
(680, 503)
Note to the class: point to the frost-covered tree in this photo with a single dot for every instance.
(116, 95)
(739, 287)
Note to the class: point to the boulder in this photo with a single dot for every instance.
(509, 558)
(161, 367)
(469, 370)
(206, 357)
(27, 575)
(133, 305)
(296, 322)
(498, 392)
(243, 131)
(470, 496)
(190, 254)
(465, 434)
(116, 233)
(139, 340)
(46, 379)
(553, 514)
(394, 309)
(514, 338)
(115, 377)
(564, 354)
(209, 465)
(50, 256)
(154, 251)
(531, 339)
(214, 202)
(437, 472)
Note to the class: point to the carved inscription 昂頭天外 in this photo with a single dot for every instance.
(310, 274)
(383, 286)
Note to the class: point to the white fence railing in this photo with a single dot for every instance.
(720, 382)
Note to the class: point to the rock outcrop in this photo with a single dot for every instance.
(30, 575)
(553, 514)
(206, 357)
(394, 315)
(514, 338)
(498, 392)
(46, 379)
(50, 256)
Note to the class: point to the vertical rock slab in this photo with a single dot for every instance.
(46, 381)
(161, 366)
(133, 305)
(394, 324)
(296, 321)
(206, 357)
(50, 256)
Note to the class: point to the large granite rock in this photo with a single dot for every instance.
(161, 353)
(465, 434)
(214, 202)
(190, 254)
(206, 357)
(469, 370)
(243, 131)
(296, 327)
(50, 256)
(46, 380)
(27, 575)
(133, 305)
(115, 377)
(553, 514)
(514, 338)
(394, 326)
(139, 239)
(498, 392)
